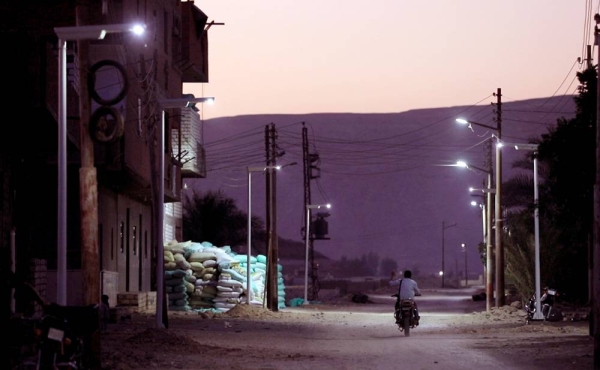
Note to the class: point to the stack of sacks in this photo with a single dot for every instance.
(203, 276)
(240, 265)
(259, 275)
(176, 289)
(176, 270)
(280, 288)
(229, 291)
(204, 267)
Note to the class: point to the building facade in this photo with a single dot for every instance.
(114, 100)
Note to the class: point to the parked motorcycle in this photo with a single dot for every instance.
(64, 336)
(547, 300)
(60, 339)
(405, 315)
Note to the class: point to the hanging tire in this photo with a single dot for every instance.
(92, 78)
(106, 125)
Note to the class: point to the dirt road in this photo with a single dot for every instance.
(455, 333)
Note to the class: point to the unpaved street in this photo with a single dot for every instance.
(348, 335)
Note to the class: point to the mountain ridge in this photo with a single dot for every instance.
(389, 176)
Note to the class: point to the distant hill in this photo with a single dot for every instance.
(387, 175)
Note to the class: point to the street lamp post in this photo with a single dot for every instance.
(483, 216)
(489, 287)
(487, 234)
(306, 240)
(464, 248)
(536, 216)
(248, 260)
(159, 198)
(499, 255)
(444, 227)
(75, 33)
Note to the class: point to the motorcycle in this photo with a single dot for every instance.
(547, 300)
(64, 336)
(404, 314)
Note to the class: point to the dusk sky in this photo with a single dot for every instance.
(283, 56)
(388, 56)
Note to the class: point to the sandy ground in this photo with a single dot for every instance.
(341, 334)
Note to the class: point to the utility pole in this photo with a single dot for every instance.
(444, 227)
(307, 200)
(268, 209)
(591, 234)
(500, 300)
(88, 192)
(489, 250)
(464, 247)
(272, 246)
(274, 257)
(596, 250)
(88, 185)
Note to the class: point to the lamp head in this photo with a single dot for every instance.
(96, 32)
(530, 147)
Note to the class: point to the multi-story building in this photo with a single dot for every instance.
(118, 109)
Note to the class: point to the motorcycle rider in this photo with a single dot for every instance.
(408, 290)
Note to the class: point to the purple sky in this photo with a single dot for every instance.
(300, 57)
(284, 56)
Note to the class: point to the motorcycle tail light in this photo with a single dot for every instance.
(38, 332)
(67, 341)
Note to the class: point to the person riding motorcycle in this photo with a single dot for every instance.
(408, 290)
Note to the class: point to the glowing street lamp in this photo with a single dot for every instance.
(498, 215)
(160, 194)
(306, 239)
(248, 268)
(483, 213)
(76, 33)
(489, 291)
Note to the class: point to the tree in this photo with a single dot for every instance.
(566, 163)
(388, 265)
(365, 265)
(215, 218)
(569, 153)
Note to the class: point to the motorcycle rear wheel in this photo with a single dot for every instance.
(406, 326)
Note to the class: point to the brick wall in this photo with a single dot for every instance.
(38, 278)
(143, 302)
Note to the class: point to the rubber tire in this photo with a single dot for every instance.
(406, 326)
(109, 134)
(92, 82)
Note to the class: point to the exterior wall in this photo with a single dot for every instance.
(133, 245)
(153, 68)
(173, 222)
(169, 229)
(191, 130)
(74, 285)
(125, 226)
(108, 230)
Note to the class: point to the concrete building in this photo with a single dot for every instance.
(126, 78)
